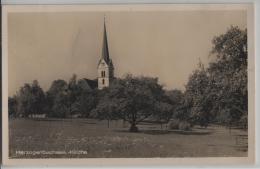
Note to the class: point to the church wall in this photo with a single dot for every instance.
(100, 82)
(107, 73)
(104, 68)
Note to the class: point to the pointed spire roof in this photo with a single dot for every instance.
(105, 52)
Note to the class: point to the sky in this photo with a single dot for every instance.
(168, 44)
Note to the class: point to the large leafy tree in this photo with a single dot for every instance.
(228, 74)
(63, 97)
(132, 99)
(30, 100)
(107, 108)
(198, 90)
(57, 98)
(219, 92)
(38, 98)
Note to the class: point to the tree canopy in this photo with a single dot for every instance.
(219, 92)
(131, 98)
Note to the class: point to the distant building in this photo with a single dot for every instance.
(105, 64)
(105, 69)
(87, 84)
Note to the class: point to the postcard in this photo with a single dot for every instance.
(124, 85)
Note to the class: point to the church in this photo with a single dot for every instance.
(105, 68)
(105, 65)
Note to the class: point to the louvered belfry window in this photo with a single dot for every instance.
(103, 73)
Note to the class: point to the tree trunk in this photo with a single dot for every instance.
(133, 128)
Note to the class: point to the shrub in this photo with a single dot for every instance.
(179, 125)
(174, 124)
(184, 126)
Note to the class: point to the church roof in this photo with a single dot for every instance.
(105, 51)
(88, 83)
(92, 83)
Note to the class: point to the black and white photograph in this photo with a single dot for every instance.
(137, 81)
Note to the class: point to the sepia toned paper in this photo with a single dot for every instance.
(51, 42)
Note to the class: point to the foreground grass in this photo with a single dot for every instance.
(83, 135)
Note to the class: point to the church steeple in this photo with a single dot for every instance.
(105, 51)
(105, 65)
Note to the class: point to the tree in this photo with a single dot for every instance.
(56, 98)
(219, 92)
(65, 99)
(132, 99)
(167, 105)
(228, 74)
(175, 99)
(174, 96)
(60, 105)
(38, 98)
(57, 86)
(107, 108)
(164, 112)
(87, 102)
(198, 89)
(24, 101)
(30, 99)
(12, 106)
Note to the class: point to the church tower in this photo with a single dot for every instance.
(105, 65)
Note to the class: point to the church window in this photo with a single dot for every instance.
(103, 81)
(103, 73)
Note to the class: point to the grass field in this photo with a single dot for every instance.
(83, 138)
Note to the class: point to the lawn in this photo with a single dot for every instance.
(86, 138)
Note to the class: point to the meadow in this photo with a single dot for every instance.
(88, 138)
